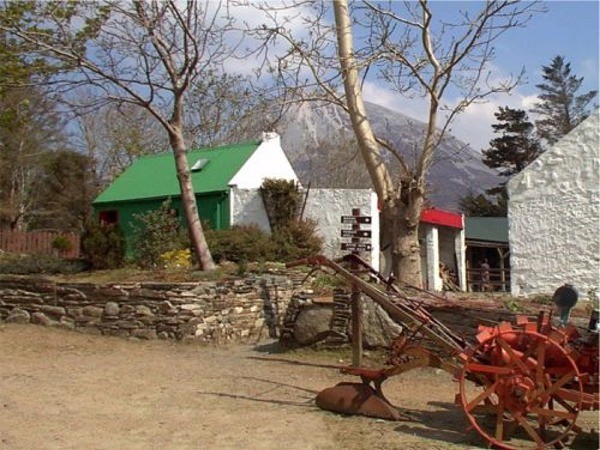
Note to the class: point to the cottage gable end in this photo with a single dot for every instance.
(268, 161)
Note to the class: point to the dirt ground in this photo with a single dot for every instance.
(65, 390)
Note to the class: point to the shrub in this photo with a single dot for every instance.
(177, 259)
(40, 264)
(156, 233)
(282, 200)
(240, 243)
(248, 243)
(297, 239)
(103, 245)
(62, 244)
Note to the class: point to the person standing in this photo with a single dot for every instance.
(485, 275)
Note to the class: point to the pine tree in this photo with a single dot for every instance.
(560, 108)
(511, 152)
(516, 147)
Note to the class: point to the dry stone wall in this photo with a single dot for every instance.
(237, 310)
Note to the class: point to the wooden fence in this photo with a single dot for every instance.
(499, 280)
(44, 242)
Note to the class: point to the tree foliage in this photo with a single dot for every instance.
(156, 233)
(482, 205)
(30, 130)
(148, 54)
(560, 107)
(65, 191)
(517, 145)
(511, 152)
(103, 246)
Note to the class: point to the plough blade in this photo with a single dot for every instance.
(358, 398)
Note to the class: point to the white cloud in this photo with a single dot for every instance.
(412, 107)
(473, 126)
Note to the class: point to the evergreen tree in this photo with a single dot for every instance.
(516, 147)
(511, 152)
(560, 108)
(481, 206)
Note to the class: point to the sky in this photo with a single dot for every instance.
(568, 28)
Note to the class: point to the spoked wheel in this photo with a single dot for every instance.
(520, 389)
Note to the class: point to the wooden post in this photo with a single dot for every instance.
(502, 255)
(357, 349)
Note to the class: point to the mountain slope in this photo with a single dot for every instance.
(319, 142)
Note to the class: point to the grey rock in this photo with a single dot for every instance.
(378, 328)
(165, 307)
(145, 334)
(93, 311)
(18, 315)
(312, 324)
(111, 309)
(53, 310)
(66, 323)
(39, 318)
(143, 310)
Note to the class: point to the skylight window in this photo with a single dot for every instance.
(199, 165)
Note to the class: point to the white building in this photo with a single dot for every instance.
(554, 216)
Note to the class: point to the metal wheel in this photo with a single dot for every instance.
(521, 389)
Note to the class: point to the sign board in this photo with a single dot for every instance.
(356, 246)
(356, 233)
(356, 219)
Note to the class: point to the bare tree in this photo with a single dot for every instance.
(30, 126)
(403, 46)
(113, 138)
(145, 53)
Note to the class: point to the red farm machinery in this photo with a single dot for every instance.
(521, 385)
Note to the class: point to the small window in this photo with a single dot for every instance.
(108, 217)
(199, 165)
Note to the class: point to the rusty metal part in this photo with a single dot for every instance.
(528, 384)
(358, 398)
(521, 386)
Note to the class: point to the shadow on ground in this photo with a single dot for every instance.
(449, 424)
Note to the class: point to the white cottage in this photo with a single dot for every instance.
(554, 216)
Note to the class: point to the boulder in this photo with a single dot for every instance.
(39, 318)
(379, 330)
(312, 324)
(18, 315)
(111, 309)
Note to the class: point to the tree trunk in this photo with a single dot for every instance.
(188, 201)
(401, 231)
(401, 207)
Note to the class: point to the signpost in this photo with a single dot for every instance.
(360, 242)
(356, 247)
(356, 233)
(350, 220)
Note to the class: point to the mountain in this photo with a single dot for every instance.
(319, 141)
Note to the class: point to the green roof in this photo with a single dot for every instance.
(490, 229)
(155, 176)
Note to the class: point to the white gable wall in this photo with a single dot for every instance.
(267, 161)
(554, 216)
(325, 206)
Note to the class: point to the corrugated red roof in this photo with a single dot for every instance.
(444, 218)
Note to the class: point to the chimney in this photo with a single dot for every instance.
(269, 135)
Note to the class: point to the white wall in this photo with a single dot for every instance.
(268, 161)
(247, 207)
(554, 216)
(325, 206)
(441, 244)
